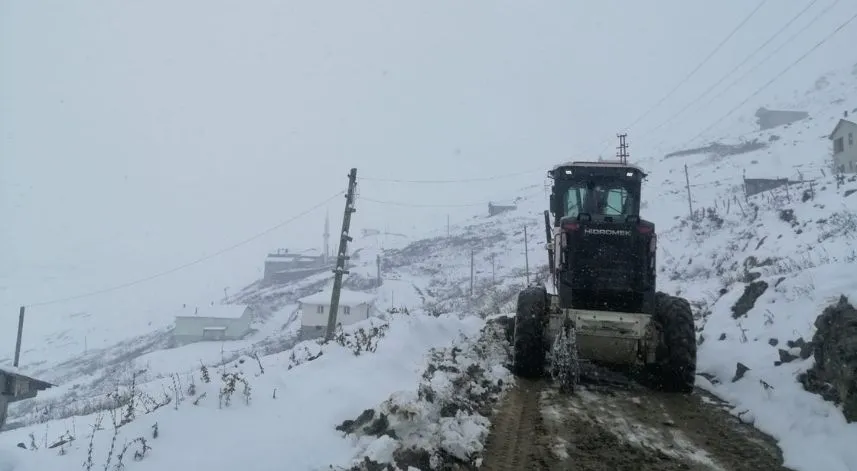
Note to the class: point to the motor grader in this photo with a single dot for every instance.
(603, 306)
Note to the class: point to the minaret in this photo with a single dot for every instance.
(326, 237)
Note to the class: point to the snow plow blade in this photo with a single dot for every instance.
(612, 337)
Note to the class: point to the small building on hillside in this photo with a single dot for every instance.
(214, 322)
(768, 119)
(495, 209)
(354, 306)
(283, 266)
(753, 186)
(15, 387)
(844, 150)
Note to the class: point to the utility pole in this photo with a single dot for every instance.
(341, 258)
(378, 263)
(788, 193)
(687, 183)
(447, 226)
(326, 235)
(623, 149)
(472, 255)
(526, 256)
(20, 333)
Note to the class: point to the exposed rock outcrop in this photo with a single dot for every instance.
(834, 345)
(752, 292)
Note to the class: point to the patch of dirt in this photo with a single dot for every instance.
(617, 426)
(590, 438)
(518, 439)
(729, 442)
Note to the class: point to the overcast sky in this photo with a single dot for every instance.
(135, 136)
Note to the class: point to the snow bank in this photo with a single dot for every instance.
(275, 412)
(758, 279)
(445, 420)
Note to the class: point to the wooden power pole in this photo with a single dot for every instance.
(472, 256)
(20, 333)
(341, 258)
(526, 256)
(378, 264)
(687, 185)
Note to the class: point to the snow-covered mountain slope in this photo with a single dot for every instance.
(795, 243)
(789, 249)
(792, 246)
(411, 280)
(273, 411)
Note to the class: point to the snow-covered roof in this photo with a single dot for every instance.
(14, 371)
(290, 258)
(223, 311)
(346, 298)
(839, 124)
(604, 163)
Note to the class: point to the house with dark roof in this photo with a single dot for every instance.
(16, 387)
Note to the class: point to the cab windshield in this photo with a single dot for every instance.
(599, 199)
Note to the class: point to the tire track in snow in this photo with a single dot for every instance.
(629, 428)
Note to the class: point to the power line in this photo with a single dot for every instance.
(746, 59)
(775, 78)
(689, 75)
(188, 264)
(778, 49)
(454, 180)
(696, 69)
(411, 205)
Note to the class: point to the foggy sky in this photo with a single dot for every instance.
(135, 136)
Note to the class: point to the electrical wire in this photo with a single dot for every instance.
(774, 79)
(454, 180)
(188, 264)
(695, 70)
(725, 76)
(411, 205)
(778, 49)
(635, 122)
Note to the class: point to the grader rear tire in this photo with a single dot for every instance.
(676, 367)
(529, 342)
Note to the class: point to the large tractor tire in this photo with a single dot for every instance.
(529, 342)
(675, 370)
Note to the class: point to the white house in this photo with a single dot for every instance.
(844, 150)
(354, 306)
(214, 322)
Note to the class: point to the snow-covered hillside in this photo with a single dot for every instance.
(791, 245)
(274, 411)
(758, 270)
(789, 249)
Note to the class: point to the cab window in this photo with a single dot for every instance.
(575, 199)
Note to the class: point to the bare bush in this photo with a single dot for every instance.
(839, 224)
(362, 340)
